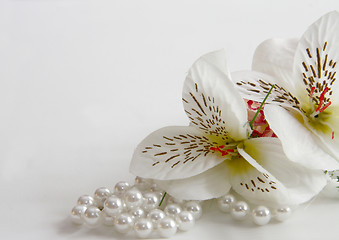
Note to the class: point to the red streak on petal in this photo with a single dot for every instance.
(333, 135)
(312, 91)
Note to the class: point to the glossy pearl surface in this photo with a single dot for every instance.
(151, 201)
(85, 200)
(100, 196)
(225, 203)
(172, 210)
(92, 216)
(137, 213)
(77, 213)
(143, 227)
(185, 220)
(121, 187)
(283, 213)
(123, 223)
(194, 208)
(239, 210)
(113, 205)
(133, 198)
(155, 216)
(261, 215)
(167, 227)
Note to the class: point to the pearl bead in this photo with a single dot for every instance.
(240, 210)
(137, 213)
(77, 213)
(167, 227)
(194, 208)
(133, 198)
(225, 203)
(92, 216)
(121, 187)
(155, 216)
(142, 184)
(123, 223)
(151, 201)
(261, 215)
(172, 210)
(108, 220)
(281, 214)
(143, 227)
(100, 196)
(185, 220)
(85, 200)
(113, 205)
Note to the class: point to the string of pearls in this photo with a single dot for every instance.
(261, 215)
(136, 208)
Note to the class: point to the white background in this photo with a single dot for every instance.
(83, 82)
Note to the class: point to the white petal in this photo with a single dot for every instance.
(210, 184)
(174, 153)
(300, 183)
(256, 86)
(275, 57)
(298, 142)
(315, 62)
(211, 100)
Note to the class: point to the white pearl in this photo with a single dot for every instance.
(155, 188)
(133, 198)
(92, 216)
(142, 184)
(123, 223)
(167, 227)
(240, 210)
(85, 200)
(281, 214)
(261, 215)
(155, 216)
(137, 213)
(172, 210)
(151, 201)
(121, 187)
(113, 205)
(225, 203)
(77, 213)
(108, 220)
(100, 196)
(193, 207)
(143, 227)
(185, 220)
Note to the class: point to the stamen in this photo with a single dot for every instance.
(324, 107)
(223, 152)
(321, 99)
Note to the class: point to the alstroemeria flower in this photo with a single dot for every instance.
(304, 109)
(211, 155)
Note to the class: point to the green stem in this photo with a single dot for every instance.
(162, 199)
(260, 107)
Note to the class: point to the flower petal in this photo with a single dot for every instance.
(255, 86)
(174, 153)
(315, 62)
(211, 101)
(298, 142)
(300, 183)
(212, 183)
(275, 58)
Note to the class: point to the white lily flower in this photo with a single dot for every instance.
(304, 74)
(211, 155)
